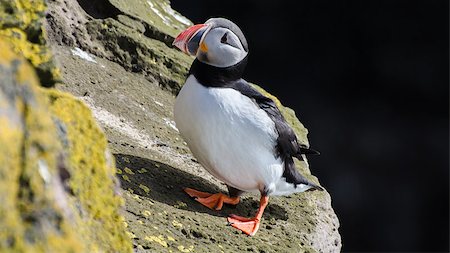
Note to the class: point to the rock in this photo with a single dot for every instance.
(116, 57)
(136, 34)
(34, 214)
(20, 24)
(58, 187)
(91, 170)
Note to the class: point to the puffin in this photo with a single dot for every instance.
(236, 133)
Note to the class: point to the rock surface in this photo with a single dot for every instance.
(53, 159)
(128, 46)
(20, 25)
(117, 57)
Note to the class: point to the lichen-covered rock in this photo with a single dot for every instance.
(34, 214)
(91, 171)
(57, 184)
(130, 61)
(20, 24)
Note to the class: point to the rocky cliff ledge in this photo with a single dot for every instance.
(60, 184)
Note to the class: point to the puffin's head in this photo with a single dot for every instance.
(218, 42)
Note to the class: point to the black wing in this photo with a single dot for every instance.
(287, 145)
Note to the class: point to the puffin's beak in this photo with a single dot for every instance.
(188, 41)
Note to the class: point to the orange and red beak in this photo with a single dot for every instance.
(189, 40)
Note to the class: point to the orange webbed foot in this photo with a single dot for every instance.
(212, 201)
(247, 225)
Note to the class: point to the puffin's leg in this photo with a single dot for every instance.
(212, 201)
(234, 192)
(249, 225)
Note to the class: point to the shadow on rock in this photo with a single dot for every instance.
(163, 183)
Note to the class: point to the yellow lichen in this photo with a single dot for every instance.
(170, 238)
(29, 11)
(158, 239)
(186, 250)
(131, 235)
(90, 173)
(146, 213)
(34, 52)
(177, 224)
(23, 20)
(126, 178)
(56, 73)
(144, 188)
(128, 171)
(142, 171)
(6, 54)
(32, 153)
(29, 149)
(180, 205)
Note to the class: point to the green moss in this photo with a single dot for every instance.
(139, 53)
(157, 13)
(92, 180)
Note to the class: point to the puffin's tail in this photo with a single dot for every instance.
(286, 185)
(308, 151)
(294, 177)
(305, 151)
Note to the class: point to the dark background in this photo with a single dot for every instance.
(370, 81)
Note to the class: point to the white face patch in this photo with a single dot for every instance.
(224, 48)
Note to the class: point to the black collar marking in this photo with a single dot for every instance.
(287, 146)
(211, 76)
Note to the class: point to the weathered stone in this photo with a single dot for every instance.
(123, 89)
(90, 169)
(33, 213)
(129, 33)
(57, 178)
(139, 53)
(20, 24)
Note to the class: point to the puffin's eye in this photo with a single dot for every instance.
(224, 38)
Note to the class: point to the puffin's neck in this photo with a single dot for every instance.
(211, 76)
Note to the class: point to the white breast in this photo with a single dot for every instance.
(229, 135)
